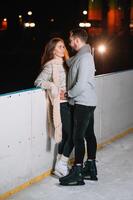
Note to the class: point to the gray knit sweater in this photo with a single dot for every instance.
(81, 81)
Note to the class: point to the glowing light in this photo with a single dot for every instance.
(52, 20)
(86, 24)
(29, 12)
(20, 16)
(81, 24)
(4, 24)
(29, 25)
(101, 49)
(131, 25)
(84, 12)
(32, 24)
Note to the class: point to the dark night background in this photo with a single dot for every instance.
(20, 49)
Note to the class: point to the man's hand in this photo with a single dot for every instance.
(63, 95)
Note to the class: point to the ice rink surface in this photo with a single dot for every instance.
(115, 174)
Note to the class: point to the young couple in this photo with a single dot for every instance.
(70, 87)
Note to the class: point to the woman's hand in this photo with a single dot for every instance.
(63, 95)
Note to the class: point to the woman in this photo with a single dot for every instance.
(53, 80)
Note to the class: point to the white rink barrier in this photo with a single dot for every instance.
(26, 152)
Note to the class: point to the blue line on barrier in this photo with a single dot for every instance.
(19, 91)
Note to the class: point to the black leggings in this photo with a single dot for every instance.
(84, 129)
(66, 145)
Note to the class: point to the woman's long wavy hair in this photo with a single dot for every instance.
(49, 49)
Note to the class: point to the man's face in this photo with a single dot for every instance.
(73, 42)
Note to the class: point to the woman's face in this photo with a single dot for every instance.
(59, 50)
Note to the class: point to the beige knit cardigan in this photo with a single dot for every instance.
(53, 98)
(53, 103)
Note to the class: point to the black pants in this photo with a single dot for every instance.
(66, 145)
(83, 128)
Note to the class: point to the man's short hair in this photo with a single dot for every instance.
(80, 33)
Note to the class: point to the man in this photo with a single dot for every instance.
(82, 97)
